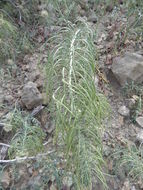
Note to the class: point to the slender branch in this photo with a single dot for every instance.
(3, 144)
(20, 159)
(7, 145)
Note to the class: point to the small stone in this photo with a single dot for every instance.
(44, 13)
(10, 61)
(31, 97)
(139, 121)
(133, 188)
(30, 170)
(128, 68)
(131, 103)
(139, 137)
(124, 111)
(82, 12)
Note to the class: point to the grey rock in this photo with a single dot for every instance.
(139, 121)
(31, 97)
(128, 68)
(133, 188)
(131, 103)
(124, 111)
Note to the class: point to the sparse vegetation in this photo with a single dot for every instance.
(132, 90)
(132, 160)
(80, 107)
(76, 107)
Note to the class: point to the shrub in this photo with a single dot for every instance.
(80, 108)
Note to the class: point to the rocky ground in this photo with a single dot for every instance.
(23, 88)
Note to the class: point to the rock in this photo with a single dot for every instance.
(133, 188)
(10, 62)
(128, 68)
(30, 170)
(31, 97)
(124, 111)
(82, 12)
(131, 103)
(139, 121)
(44, 13)
(5, 180)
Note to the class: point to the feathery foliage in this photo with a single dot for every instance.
(28, 136)
(80, 108)
(7, 38)
(132, 159)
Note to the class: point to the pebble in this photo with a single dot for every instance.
(133, 188)
(131, 103)
(139, 121)
(31, 97)
(124, 111)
